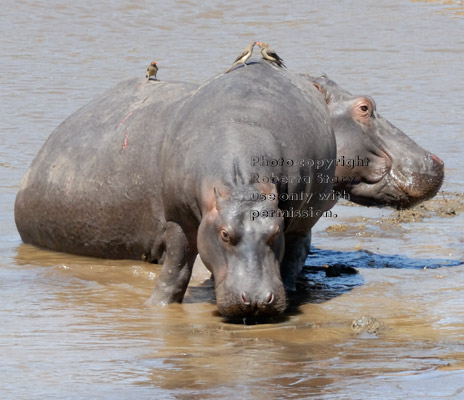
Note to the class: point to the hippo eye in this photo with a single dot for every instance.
(365, 109)
(225, 235)
(362, 110)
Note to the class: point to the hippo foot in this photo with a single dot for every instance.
(162, 299)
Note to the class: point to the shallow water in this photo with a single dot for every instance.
(74, 327)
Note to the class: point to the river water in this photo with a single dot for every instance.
(74, 327)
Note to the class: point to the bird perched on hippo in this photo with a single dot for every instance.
(243, 57)
(152, 70)
(164, 174)
(270, 55)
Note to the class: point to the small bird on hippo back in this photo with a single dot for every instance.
(270, 55)
(243, 57)
(152, 70)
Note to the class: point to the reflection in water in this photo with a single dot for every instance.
(75, 327)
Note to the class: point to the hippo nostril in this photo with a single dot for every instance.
(270, 298)
(436, 159)
(244, 299)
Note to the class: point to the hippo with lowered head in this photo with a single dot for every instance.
(152, 171)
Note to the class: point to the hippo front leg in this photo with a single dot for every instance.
(296, 251)
(175, 274)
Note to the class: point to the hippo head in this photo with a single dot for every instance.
(377, 164)
(240, 240)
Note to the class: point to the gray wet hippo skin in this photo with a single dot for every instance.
(93, 189)
(158, 170)
(398, 172)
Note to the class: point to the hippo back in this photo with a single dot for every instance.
(93, 189)
(257, 111)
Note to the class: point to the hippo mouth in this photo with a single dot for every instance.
(390, 186)
(385, 192)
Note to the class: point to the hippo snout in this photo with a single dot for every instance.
(426, 183)
(419, 183)
(254, 303)
(250, 303)
(437, 166)
(436, 175)
(268, 299)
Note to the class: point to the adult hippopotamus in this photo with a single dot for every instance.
(377, 164)
(154, 170)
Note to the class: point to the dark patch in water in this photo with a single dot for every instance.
(314, 286)
(317, 285)
(367, 259)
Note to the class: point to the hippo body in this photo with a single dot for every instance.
(154, 170)
(90, 190)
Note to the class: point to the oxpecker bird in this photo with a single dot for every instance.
(152, 70)
(243, 57)
(270, 55)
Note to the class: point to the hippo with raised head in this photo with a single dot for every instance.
(155, 171)
(378, 165)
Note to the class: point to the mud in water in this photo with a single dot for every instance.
(444, 204)
(381, 310)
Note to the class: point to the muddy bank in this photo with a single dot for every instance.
(444, 204)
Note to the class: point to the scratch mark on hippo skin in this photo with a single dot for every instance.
(126, 118)
(126, 140)
(135, 109)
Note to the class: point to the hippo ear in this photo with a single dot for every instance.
(239, 178)
(219, 199)
(321, 89)
(318, 87)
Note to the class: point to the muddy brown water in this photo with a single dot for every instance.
(75, 328)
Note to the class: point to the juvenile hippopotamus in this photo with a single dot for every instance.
(154, 170)
(378, 165)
